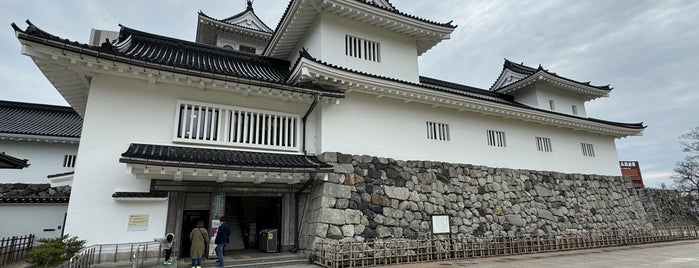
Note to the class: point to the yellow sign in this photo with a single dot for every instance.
(138, 222)
(270, 236)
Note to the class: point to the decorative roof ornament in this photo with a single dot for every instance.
(249, 5)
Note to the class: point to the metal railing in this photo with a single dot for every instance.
(13, 249)
(449, 247)
(126, 254)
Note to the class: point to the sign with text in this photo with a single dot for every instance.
(138, 222)
(440, 224)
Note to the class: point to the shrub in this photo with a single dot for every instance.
(54, 251)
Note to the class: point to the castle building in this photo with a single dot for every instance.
(235, 123)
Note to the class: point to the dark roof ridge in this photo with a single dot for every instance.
(527, 70)
(444, 83)
(36, 106)
(13, 162)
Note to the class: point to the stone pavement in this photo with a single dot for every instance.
(680, 254)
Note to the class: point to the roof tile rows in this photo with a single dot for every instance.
(33, 200)
(39, 119)
(221, 157)
(189, 55)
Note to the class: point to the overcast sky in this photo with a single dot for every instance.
(647, 50)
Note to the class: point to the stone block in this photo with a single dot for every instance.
(332, 216)
(353, 216)
(383, 232)
(347, 230)
(342, 168)
(336, 190)
(334, 232)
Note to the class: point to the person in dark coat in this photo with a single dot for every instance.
(224, 230)
(200, 238)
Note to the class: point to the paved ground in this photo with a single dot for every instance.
(672, 254)
(681, 254)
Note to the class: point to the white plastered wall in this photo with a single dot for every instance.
(44, 158)
(362, 124)
(119, 112)
(325, 40)
(42, 220)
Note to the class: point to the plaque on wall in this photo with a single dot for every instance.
(440, 224)
(138, 223)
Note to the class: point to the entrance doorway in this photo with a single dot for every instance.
(189, 222)
(250, 215)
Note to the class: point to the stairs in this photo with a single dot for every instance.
(236, 237)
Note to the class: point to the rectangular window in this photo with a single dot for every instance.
(552, 105)
(248, 49)
(69, 160)
(587, 149)
(236, 126)
(361, 48)
(496, 138)
(543, 144)
(437, 131)
(574, 109)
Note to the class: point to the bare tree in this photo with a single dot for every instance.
(686, 172)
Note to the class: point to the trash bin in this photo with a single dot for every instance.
(268, 240)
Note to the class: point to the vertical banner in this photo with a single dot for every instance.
(214, 231)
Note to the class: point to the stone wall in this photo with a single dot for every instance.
(33, 190)
(377, 198)
(666, 207)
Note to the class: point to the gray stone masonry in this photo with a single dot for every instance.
(667, 207)
(369, 198)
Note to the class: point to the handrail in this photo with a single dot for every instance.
(132, 253)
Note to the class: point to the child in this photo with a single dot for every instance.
(168, 242)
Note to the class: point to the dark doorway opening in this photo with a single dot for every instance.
(189, 222)
(250, 215)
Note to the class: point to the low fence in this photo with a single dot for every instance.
(13, 249)
(126, 254)
(336, 254)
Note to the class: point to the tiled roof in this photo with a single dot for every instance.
(154, 194)
(8, 161)
(441, 83)
(148, 50)
(39, 119)
(189, 55)
(473, 92)
(33, 200)
(215, 158)
(528, 71)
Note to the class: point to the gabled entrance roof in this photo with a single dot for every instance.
(205, 158)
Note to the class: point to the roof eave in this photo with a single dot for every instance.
(313, 72)
(587, 92)
(430, 33)
(74, 54)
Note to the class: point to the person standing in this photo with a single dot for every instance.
(200, 238)
(221, 241)
(167, 243)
